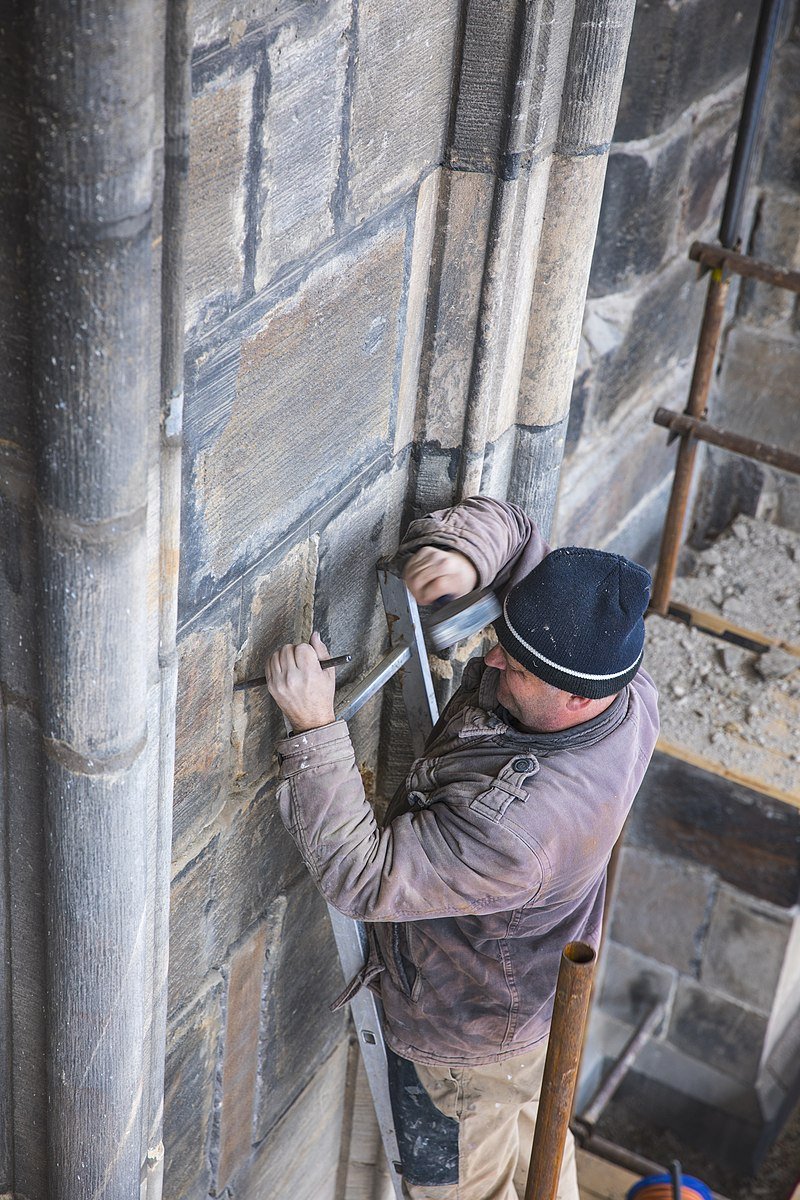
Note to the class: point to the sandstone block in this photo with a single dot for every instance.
(776, 239)
(640, 338)
(298, 1030)
(638, 215)
(758, 387)
(233, 883)
(240, 1062)
(218, 149)
(678, 54)
(745, 949)
(401, 98)
(781, 163)
(751, 841)
(278, 424)
(214, 22)
(204, 720)
(419, 276)
(277, 607)
(710, 150)
(314, 1122)
(446, 365)
(603, 484)
(716, 1031)
(661, 906)
(301, 134)
(192, 1043)
(633, 983)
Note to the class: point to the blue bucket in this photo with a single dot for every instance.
(659, 1187)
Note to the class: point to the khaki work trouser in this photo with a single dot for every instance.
(495, 1107)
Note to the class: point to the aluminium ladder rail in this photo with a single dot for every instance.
(455, 621)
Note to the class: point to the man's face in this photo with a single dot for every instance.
(536, 706)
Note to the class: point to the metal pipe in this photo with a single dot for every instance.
(480, 394)
(709, 255)
(573, 991)
(769, 19)
(672, 537)
(620, 1067)
(774, 456)
(177, 105)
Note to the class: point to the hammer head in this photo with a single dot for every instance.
(461, 618)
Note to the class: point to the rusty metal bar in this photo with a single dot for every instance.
(573, 991)
(620, 1067)
(774, 456)
(712, 256)
(684, 466)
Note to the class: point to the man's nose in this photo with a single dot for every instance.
(495, 658)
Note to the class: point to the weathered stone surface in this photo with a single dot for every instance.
(277, 607)
(574, 191)
(301, 134)
(314, 1122)
(349, 611)
(535, 471)
(603, 484)
(724, 1035)
(235, 880)
(203, 765)
(307, 398)
(745, 949)
(219, 142)
(419, 276)
(758, 387)
(639, 343)
(638, 215)
(298, 1029)
(752, 842)
(401, 97)
(23, 827)
(776, 240)
(678, 54)
(633, 983)
(192, 1043)
(713, 134)
(483, 84)
(661, 907)
(218, 21)
(781, 163)
(455, 289)
(240, 1062)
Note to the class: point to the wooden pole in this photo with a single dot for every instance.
(573, 991)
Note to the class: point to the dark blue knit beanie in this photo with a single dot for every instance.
(577, 621)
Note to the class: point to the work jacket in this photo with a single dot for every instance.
(493, 856)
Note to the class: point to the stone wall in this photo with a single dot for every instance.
(665, 185)
(705, 920)
(316, 131)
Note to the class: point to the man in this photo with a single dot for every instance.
(493, 855)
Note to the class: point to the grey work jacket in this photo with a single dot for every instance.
(494, 855)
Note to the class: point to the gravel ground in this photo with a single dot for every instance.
(776, 1180)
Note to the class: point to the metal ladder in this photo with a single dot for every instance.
(408, 652)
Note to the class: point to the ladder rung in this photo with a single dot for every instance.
(742, 264)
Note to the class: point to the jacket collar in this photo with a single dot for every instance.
(492, 718)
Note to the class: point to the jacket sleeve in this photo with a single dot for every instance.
(500, 539)
(444, 860)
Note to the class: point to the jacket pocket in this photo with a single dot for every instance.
(406, 973)
(508, 785)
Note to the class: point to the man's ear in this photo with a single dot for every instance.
(576, 703)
